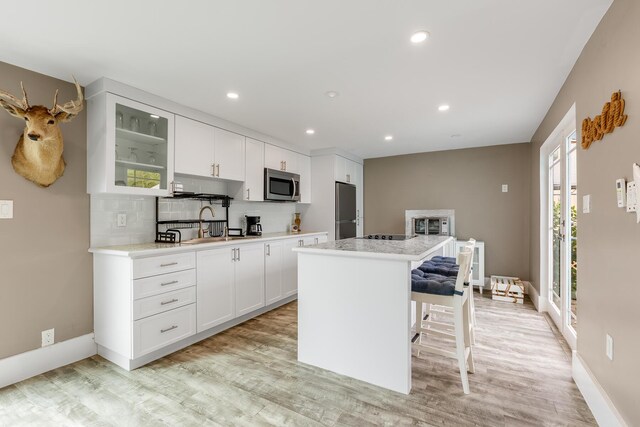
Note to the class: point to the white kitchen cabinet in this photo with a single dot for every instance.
(253, 186)
(345, 170)
(304, 169)
(477, 265)
(130, 147)
(194, 147)
(230, 283)
(215, 289)
(204, 150)
(249, 278)
(289, 267)
(359, 183)
(229, 152)
(280, 159)
(273, 274)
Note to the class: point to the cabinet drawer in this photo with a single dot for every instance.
(145, 267)
(155, 285)
(158, 331)
(146, 307)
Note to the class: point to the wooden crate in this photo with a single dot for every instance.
(509, 289)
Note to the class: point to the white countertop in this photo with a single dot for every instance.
(149, 249)
(414, 249)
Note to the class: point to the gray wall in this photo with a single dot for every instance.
(46, 269)
(608, 238)
(468, 181)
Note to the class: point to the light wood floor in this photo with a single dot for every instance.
(249, 376)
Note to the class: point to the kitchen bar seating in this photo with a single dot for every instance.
(447, 292)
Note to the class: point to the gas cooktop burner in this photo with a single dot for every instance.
(387, 237)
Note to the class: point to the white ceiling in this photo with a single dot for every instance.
(498, 63)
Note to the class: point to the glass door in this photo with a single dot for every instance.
(143, 147)
(562, 235)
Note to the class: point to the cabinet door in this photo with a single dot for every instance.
(351, 172)
(359, 182)
(289, 267)
(290, 161)
(273, 271)
(194, 147)
(140, 150)
(249, 278)
(304, 166)
(273, 158)
(340, 169)
(215, 287)
(254, 171)
(229, 155)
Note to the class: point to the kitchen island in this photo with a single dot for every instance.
(354, 306)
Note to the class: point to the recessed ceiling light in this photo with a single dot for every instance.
(443, 108)
(419, 36)
(310, 131)
(332, 94)
(388, 137)
(232, 95)
(456, 135)
(154, 116)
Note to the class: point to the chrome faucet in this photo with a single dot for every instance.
(213, 213)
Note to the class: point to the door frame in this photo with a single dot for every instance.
(566, 126)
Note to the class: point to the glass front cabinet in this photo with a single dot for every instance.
(130, 147)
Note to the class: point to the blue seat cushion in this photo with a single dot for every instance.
(443, 260)
(433, 286)
(449, 270)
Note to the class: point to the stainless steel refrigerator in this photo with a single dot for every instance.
(345, 210)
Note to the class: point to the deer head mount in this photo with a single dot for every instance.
(38, 155)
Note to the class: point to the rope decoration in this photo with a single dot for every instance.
(612, 117)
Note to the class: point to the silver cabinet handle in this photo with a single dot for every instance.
(358, 213)
(238, 254)
(169, 264)
(218, 170)
(316, 240)
(169, 283)
(268, 250)
(233, 251)
(162, 331)
(348, 178)
(169, 302)
(285, 165)
(281, 165)
(213, 169)
(248, 193)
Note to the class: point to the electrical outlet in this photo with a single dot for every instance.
(48, 337)
(505, 188)
(586, 203)
(122, 220)
(6, 209)
(609, 347)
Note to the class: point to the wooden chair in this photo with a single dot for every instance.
(454, 295)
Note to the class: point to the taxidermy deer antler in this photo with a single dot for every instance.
(38, 154)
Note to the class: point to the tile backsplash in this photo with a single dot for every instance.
(141, 221)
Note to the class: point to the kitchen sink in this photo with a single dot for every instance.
(215, 239)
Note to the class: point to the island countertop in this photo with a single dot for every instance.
(414, 249)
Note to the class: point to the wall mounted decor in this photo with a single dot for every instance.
(38, 154)
(612, 116)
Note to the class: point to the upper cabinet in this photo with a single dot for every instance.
(204, 150)
(304, 169)
(194, 147)
(130, 147)
(346, 170)
(280, 159)
(253, 187)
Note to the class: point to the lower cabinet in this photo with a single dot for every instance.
(273, 252)
(230, 283)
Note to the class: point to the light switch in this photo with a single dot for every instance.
(122, 220)
(586, 203)
(6, 209)
(505, 188)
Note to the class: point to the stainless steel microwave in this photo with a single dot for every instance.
(281, 186)
(431, 225)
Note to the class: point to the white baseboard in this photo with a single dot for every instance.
(17, 368)
(601, 406)
(538, 303)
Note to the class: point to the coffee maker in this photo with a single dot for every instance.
(254, 228)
